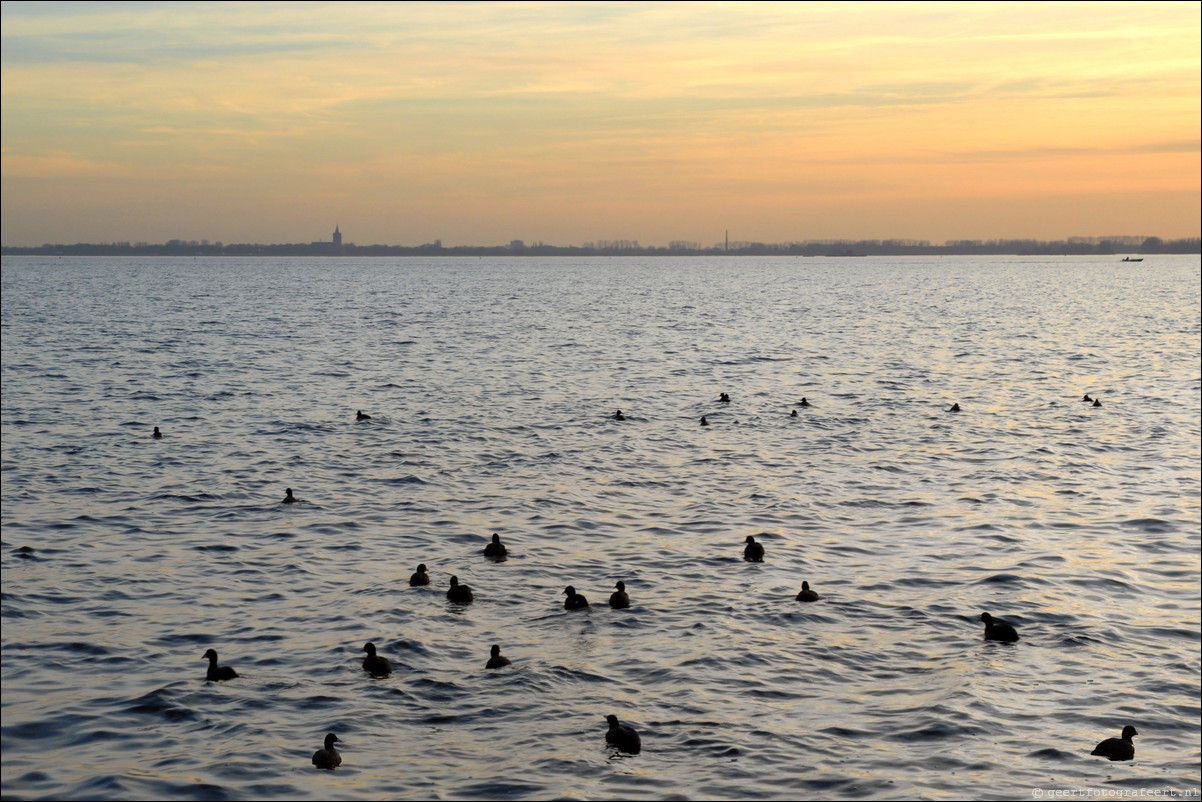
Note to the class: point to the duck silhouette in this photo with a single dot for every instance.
(497, 661)
(626, 739)
(753, 552)
(997, 629)
(374, 664)
(807, 595)
(218, 673)
(460, 594)
(496, 549)
(328, 757)
(619, 600)
(574, 600)
(1118, 748)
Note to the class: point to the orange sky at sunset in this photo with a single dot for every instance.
(478, 123)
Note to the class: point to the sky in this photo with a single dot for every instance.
(566, 123)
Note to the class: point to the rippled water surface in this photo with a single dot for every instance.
(492, 385)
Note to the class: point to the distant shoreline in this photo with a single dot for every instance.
(1077, 246)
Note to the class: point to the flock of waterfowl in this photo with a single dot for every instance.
(725, 399)
(620, 736)
(624, 738)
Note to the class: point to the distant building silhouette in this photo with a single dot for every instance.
(332, 245)
(830, 247)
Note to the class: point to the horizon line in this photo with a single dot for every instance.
(624, 244)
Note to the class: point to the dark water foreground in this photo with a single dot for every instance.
(491, 385)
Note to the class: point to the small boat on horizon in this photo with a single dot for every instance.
(1129, 259)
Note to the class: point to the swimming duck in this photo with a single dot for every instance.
(288, 497)
(807, 595)
(704, 422)
(157, 434)
(574, 600)
(619, 600)
(361, 415)
(218, 673)
(626, 739)
(997, 629)
(497, 661)
(1097, 402)
(753, 552)
(496, 548)
(619, 416)
(460, 594)
(955, 408)
(1087, 398)
(420, 577)
(793, 414)
(723, 399)
(803, 402)
(374, 664)
(1117, 748)
(328, 758)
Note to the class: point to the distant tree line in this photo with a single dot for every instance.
(828, 247)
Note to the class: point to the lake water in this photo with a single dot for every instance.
(492, 385)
